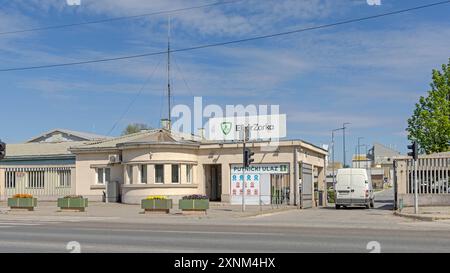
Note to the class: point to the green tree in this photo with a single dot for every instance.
(135, 128)
(430, 122)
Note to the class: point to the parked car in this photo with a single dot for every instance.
(354, 188)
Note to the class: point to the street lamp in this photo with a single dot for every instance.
(332, 151)
(343, 139)
(359, 152)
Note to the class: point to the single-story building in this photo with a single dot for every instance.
(42, 166)
(159, 162)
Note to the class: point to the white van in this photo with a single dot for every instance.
(354, 188)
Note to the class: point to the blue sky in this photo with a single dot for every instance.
(369, 74)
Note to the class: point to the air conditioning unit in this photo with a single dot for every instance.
(113, 159)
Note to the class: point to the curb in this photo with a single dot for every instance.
(422, 217)
(272, 211)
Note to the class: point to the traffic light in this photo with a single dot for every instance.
(2, 150)
(414, 150)
(248, 157)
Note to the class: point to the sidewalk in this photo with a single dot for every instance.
(426, 213)
(98, 211)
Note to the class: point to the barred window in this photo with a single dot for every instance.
(10, 179)
(64, 178)
(36, 179)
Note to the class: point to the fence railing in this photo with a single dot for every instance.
(433, 175)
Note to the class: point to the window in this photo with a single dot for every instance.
(103, 175)
(36, 179)
(189, 174)
(159, 173)
(144, 174)
(130, 174)
(10, 179)
(175, 173)
(64, 178)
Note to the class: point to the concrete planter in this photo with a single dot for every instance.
(79, 204)
(22, 203)
(194, 205)
(156, 205)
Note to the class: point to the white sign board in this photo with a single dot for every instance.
(257, 182)
(262, 127)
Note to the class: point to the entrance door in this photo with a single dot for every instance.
(307, 186)
(213, 175)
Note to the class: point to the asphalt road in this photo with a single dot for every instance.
(315, 230)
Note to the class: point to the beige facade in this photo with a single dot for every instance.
(160, 163)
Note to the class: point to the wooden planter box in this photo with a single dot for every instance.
(79, 204)
(156, 205)
(194, 205)
(22, 203)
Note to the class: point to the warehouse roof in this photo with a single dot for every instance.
(30, 150)
(62, 135)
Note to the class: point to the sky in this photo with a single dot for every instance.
(369, 73)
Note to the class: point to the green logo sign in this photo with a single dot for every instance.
(226, 127)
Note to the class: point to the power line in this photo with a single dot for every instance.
(135, 98)
(120, 18)
(228, 42)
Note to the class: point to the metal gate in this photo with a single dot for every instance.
(306, 196)
(279, 189)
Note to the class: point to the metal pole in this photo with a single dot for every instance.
(343, 146)
(332, 145)
(243, 169)
(168, 76)
(358, 153)
(243, 177)
(416, 190)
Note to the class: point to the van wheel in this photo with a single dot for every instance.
(338, 206)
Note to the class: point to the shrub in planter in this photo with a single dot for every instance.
(194, 203)
(22, 201)
(156, 204)
(331, 195)
(73, 202)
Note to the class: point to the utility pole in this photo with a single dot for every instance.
(169, 95)
(359, 152)
(343, 139)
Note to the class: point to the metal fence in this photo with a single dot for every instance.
(44, 183)
(433, 176)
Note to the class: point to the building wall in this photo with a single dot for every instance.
(86, 165)
(133, 190)
(49, 176)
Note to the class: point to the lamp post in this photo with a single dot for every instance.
(343, 139)
(359, 152)
(332, 147)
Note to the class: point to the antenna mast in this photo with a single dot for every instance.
(168, 76)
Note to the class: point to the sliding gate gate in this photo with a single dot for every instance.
(306, 195)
